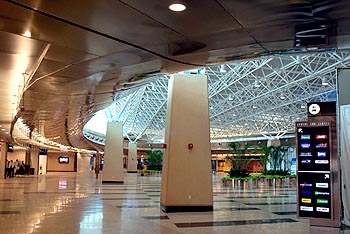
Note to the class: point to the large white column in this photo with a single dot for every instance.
(343, 84)
(3, 152)
(34, 161)
(187, 177)
(42, 164)
(132, 157)
(113, 171)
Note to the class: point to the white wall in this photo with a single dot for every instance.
(83, 164)
(17, 154)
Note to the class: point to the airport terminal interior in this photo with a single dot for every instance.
(174, 116)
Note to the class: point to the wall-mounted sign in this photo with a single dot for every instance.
(9, 148)
(63, 159)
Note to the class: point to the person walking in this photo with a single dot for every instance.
(7, 169)
(12, 168)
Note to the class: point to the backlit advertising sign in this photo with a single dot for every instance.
(314, 176)
(314, 200)
(314, 154)
(63, 159)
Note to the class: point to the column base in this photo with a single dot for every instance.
(112, 182)
(173, 209)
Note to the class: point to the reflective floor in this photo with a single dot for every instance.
(71, 203)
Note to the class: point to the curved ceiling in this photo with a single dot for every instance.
(251, 98)
(81, 53)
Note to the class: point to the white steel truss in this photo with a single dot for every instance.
(260, 97)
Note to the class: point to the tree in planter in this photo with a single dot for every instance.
(265, 157)
(277, 157)
(155, 158)
(239, 162)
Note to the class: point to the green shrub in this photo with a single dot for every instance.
(238, 173)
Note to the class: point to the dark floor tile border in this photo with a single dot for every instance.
(138, 206)
(6, 200)
(228, 200)
(174, 209)
(14, 183)
(154, 195)
(269, 203)
(251, 197)
(162, 217)
(233, 192)
(237, 209)
(285, 213)
(61, 192)
(126, 199)
(119, 189)
(9, 212)
(151, 191)
(112, 182)
(234, 223)
(97, 193)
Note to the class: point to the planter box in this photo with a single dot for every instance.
(150, 173)
(261, 182)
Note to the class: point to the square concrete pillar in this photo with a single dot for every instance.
(132, 158)
(187, 177)
(113, 171)
(3, 157)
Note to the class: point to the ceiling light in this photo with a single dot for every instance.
(302, 106)
(230, 98)
(256, 84)
(223, 68)
(27, 34)
(234, 115)
(254, 107)
(283, 97)
(324, 81)
(177, 7)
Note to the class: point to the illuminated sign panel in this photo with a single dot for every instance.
(63, 159)
(314, 176)
(314, 154)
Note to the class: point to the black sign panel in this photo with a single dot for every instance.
(313, 148)
(314, 176)
(314, 195)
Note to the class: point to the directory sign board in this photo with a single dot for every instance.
(314, 170)
(313, 148)
(314, 195)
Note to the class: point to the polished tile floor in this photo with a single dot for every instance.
(72, 203)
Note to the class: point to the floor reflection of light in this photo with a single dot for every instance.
(62, 184)
(59, 203)
(92, 221)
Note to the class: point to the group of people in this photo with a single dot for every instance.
(14, 168)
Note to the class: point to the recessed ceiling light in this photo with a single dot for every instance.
(234, 115)
(177, 7)
(283, 97)
(27, 34)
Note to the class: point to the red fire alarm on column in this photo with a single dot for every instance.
(190, 146)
